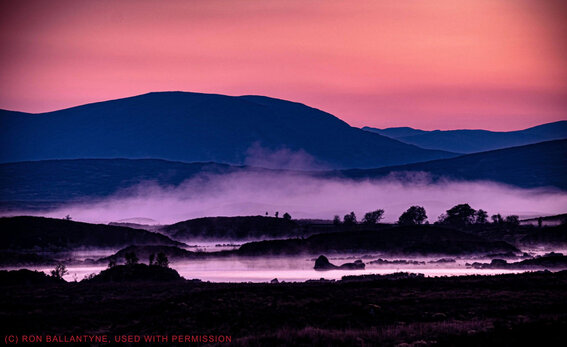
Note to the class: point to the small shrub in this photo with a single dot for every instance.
(59, 271)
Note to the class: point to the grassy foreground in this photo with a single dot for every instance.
(523, 309)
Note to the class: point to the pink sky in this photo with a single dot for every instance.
(444, 64)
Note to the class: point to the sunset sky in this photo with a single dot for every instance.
(444, 64)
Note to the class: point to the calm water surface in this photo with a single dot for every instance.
(292, 269)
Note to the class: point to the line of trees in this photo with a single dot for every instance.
(132, 259)
(461, 215)
(413, 216)
(285, 216)
(370, 218)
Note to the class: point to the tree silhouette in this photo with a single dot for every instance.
(413, 216)
(373, 217)
(497, 219)
(59, 271)
(286, 216)
(481, 217)
(152, 258)
(131, 258)
(349, 219)
(162, 260)
(460, 215)
(336, 220)
(513, 220)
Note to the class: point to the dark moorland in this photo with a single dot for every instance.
(522, 309)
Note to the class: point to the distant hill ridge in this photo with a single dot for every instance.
(471, 141)
(44, 184)
(194, 127)
(538, 165)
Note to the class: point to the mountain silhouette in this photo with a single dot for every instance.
(472, 141)
(193, 127)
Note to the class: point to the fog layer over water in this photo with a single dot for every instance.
(291, 269)
(304, 196)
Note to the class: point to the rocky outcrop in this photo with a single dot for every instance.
(547, 261)
(357, 265)
(323, 264)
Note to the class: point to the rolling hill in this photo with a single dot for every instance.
(193, 127)
(422, 240)
(232, 228)
(48, 234)
(537, 165)
(472, 141)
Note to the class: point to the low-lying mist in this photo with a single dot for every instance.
(305, 196)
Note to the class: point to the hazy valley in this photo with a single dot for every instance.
(208, 192)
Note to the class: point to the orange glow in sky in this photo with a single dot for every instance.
(444, 64)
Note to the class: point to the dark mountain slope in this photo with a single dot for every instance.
(396, 132)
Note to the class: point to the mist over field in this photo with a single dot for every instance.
(305, 196)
